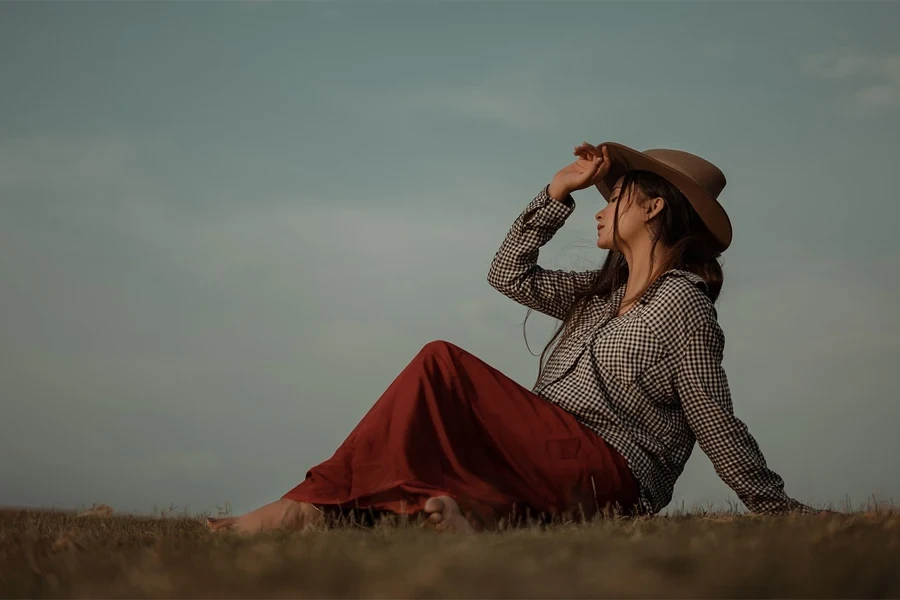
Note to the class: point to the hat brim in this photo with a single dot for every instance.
(625, 159)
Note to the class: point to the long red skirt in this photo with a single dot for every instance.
(450, 424)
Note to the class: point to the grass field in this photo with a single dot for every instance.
(60, 554)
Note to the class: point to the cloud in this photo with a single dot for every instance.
(847, 62)
(876, 77)
(877, 97)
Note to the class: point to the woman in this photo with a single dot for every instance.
(634, 379)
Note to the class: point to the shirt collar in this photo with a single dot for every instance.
(692, 277)
(619, 294)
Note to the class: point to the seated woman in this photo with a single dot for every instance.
(634, 378)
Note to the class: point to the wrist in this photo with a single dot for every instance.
(558, 192)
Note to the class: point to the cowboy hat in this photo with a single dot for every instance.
(698, 179)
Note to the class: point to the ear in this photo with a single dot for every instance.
(653, 207)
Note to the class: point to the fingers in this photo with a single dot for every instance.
(585, 150)
(598, 160)
(591, 152)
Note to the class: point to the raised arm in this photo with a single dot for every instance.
(514, 271)
(706, 399)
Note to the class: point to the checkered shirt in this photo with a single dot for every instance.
(650, 382)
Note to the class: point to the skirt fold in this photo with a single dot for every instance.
(450, 424)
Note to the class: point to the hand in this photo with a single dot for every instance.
(592, 163)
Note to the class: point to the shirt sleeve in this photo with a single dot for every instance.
(514, 272)
(705, 397)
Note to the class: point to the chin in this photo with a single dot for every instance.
(601, 243)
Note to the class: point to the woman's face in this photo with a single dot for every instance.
(631, 221)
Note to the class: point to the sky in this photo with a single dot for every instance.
(225, 227)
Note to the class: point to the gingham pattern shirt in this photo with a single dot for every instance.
(649, 382)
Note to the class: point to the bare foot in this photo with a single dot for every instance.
(282, 513)
(445, 514)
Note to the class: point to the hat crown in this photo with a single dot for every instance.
(703, 172)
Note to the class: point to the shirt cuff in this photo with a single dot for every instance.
(549, 214)
(567, 201)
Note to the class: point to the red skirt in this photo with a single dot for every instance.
(450, 424)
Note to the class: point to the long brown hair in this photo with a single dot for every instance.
(678, 226)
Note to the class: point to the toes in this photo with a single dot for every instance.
(433, 505)
(445, 515)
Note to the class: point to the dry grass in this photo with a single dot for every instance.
(60, 554)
